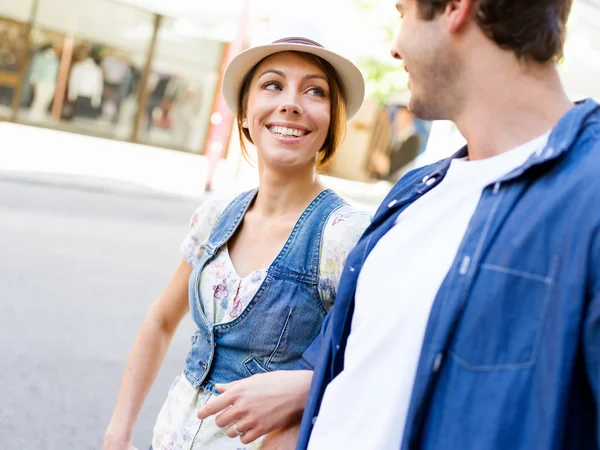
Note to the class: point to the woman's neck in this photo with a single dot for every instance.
(282, 192)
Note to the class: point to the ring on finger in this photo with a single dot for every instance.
(239, 433)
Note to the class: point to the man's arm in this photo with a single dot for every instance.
(591, 332)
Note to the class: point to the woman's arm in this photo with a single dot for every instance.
(146, 357)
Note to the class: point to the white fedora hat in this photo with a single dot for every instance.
(300, 36)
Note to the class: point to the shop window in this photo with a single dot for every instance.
(90, 55)
(181, 88)
(12, 48)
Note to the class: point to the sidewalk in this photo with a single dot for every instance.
(39, 155)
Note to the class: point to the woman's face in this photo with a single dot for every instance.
(288, 110)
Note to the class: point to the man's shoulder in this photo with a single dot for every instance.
(411, 179)
(585, 152)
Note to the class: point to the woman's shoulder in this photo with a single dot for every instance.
(208, 212)
(347, 221)
(201, 225)
(342, 231)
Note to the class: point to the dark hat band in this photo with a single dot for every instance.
(297, 40)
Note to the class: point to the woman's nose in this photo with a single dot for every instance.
(291, 108)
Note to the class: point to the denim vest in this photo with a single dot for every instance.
(284, 316)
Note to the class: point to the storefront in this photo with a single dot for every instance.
(109, 69)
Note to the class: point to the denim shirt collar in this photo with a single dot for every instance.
(561, 138)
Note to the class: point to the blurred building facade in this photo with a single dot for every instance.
(124, 70)
(149, 71)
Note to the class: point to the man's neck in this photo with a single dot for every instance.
(511, 108)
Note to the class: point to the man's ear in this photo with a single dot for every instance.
(458, 13)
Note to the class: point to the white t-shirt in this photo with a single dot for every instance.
(365, 406)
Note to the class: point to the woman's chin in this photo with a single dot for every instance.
(287, 158)
(288, 162)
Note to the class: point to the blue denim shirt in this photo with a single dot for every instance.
(284, 316)
(511, 354)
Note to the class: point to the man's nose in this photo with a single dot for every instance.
(396, 54)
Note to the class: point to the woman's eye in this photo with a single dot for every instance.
(272, 86)
(316, 91)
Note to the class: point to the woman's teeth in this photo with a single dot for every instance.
(284, 131)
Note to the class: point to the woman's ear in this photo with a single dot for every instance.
(244, 123)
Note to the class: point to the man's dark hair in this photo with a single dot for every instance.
(533, 29)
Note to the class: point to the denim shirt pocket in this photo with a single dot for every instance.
(503, 320)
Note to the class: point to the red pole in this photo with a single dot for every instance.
(221, 124)
(63, 77)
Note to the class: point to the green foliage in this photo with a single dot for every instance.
(384, 76)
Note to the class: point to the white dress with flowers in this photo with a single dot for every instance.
(224, 296)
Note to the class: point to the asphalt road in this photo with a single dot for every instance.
(78, 271)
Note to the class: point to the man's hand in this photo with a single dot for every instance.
(260, 404)
(282, 439)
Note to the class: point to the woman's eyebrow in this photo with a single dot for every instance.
(278, 72)
(313, 76)
(282, 75)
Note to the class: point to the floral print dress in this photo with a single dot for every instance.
(224, 296)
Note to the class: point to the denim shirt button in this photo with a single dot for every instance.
(314, 420)
(437, 363)
(430, 181)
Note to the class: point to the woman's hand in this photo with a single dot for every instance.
(260, 404)
(112, 442)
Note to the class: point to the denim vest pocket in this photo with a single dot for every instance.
(282, 344)
(502, 323)
(253, 367)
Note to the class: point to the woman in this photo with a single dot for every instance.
(263, 268)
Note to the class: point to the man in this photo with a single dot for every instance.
(468, 315)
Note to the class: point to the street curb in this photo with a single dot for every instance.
(103, 185)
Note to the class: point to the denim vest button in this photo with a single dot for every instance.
(438, 362)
